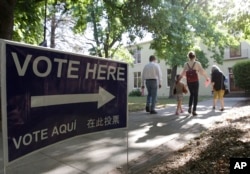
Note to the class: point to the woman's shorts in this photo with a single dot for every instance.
(219, 94)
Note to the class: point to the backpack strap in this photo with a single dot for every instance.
(192, 66)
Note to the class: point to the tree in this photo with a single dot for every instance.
(104, 24)
(235, 16)
(174, 24)
(21, 20)
(60, 18)
(28, 23)
(7, 18)
(177, 27)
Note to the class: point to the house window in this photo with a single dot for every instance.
(137, 80)
(169, 72)
(137, 56)
(235, 51)
(232, 85)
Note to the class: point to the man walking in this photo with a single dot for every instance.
(152, 76)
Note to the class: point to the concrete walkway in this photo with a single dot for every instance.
(103, 152)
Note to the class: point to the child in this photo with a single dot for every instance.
(180, 88)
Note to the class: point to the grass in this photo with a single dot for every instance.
(138, 103)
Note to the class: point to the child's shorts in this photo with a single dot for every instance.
(179, 97)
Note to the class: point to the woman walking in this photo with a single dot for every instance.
(191, 70)
(218, 86)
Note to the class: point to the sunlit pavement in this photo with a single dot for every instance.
(103, 152)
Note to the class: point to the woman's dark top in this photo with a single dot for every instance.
(218, 79)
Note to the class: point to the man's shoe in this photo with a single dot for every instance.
(189, 110)
(147, 109)
(194, 113)
(153, 112)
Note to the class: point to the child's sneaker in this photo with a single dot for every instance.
(182, 111)
(176, 113)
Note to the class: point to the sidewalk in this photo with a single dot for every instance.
(103, 152)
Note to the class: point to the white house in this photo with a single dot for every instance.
(142, 52)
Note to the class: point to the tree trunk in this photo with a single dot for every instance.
(173, 75)
(7, 18)
(53, 31)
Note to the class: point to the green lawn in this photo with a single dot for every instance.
(138, 103)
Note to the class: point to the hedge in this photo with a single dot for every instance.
(241, 71)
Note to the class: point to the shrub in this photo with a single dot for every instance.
(241, 72)
(135, 92)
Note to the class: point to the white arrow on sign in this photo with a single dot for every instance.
(102, 98)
